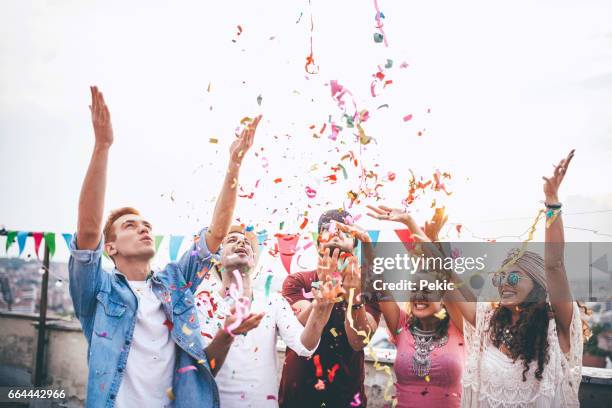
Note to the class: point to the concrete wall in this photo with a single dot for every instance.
(66, 363)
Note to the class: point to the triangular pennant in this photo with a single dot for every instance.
(261, 237)
(158, 241)
(601, 263)
(287, 244)
(21, 240)
(10, 239)
(50, 242)
(374, 237)
(68, 239)
(405, 236)
(175, 245)
(38, 236)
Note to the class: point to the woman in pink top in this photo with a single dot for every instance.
(429, 338)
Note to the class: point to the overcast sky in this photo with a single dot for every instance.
(499, 90)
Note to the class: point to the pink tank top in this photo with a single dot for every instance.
(444, 386)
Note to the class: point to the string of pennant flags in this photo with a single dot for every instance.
(286, 245)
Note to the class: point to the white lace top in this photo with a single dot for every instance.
(492, 380)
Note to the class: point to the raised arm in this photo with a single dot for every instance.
(224, 208)
(558, 286)
(460, 302)
(91, 200)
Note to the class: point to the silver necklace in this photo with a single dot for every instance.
(424, 343)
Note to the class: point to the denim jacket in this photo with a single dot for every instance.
(106, 307)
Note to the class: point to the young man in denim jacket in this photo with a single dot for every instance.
(142, 330)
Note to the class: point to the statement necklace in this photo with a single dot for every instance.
(424, 343)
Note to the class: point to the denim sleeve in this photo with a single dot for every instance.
(85, 276)
(197, 260)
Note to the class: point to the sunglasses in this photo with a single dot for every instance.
(512, 279)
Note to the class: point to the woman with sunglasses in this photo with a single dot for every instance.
(526, 350)
(428, 335)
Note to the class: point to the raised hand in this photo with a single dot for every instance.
(355, 231)
(100, 118)
(248, 323)
(327, 267)
(243, 141)
(433, 227)
(327, 293)
(551, 184)
(351, 276)
(385, 213)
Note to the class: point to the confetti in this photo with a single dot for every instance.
(278, 180)
(441, 314)
(170, 394)
(380, 36)
(356, 401)
(331, 373)
(186, 330)
(333, 332)
(311, 192)
(213, 140)
(320, 385)
(317, 362)
(311, 67)
(268, 283)
(307, 295)
(271, 397)
(407, 117)
(183, 370)
(259, 99)
(213, 363)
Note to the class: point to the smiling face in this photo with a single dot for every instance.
(237, 253)
(424, 303)
(514, 286)
(130, 237)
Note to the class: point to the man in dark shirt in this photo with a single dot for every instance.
(335, 374)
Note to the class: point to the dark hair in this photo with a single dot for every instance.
(338, 215)
(529, 339)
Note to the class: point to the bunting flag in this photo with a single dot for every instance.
(68, 239)
(601, 263)
(50, 242)
(158, 241)
(287, 244)
(38, 236)
(262, 236)
(21, 240)
(405, 236)
(374, 237)
(10, 239)
(175, 245)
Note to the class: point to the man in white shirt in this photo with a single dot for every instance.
(246, 371)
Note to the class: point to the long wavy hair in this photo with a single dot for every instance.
(529, 336)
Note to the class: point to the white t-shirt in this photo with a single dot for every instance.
(150, 364)
(248, 377)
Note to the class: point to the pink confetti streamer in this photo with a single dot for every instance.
(186, 368)
(379, 23)
(242, 303)
(356, 401)
(307, 295)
